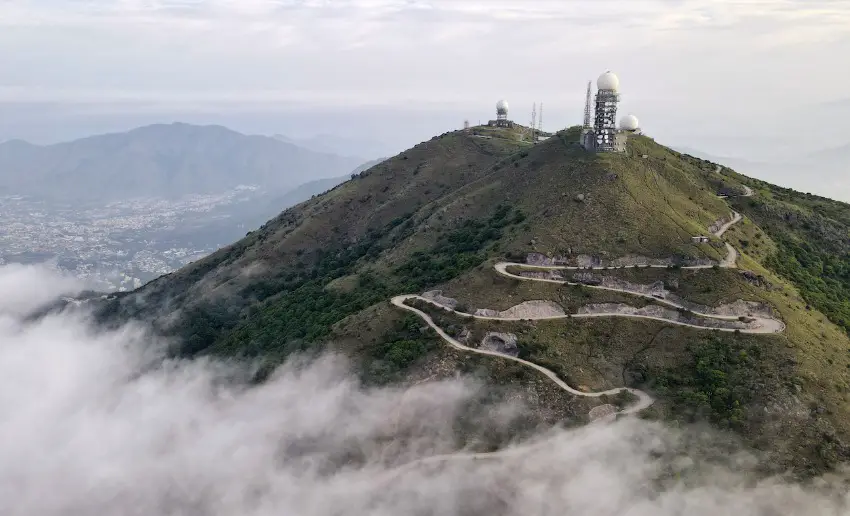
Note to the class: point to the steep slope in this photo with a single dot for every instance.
(161, 160)
(506, 231)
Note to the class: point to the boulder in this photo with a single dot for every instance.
(505, 343)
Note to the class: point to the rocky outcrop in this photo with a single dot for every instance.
(437, 297)
(718, 224)
(542, 275)
(534, 310)
(543, 260)
(757, 280)
(526, 310)
(603, 413)
(505, 343)
(587, 278)
(584, 260)
(655, 289)
(744, 308)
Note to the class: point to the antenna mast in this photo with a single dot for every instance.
(533, 122)
(540, 120)
(588, 110)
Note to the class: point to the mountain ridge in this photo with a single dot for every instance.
(161, 160)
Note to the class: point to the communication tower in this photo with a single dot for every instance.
(630, 123)
(588, 109)
(502, 111)
(540, 120)
(533, 124)
(605, 120)
(600, 134)
(501, 115)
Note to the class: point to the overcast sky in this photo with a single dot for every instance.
(693, 65)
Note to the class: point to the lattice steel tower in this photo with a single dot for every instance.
(605, 119)
(588, 109)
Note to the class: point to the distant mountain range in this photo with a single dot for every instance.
(331, 144)
(163, 161)
(824, 172)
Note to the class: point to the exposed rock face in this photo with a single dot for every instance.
(538, 259)
(505, 343)
(534, 310)
(741, 308)
(603, 413)
(526, 310)
(437, 297)
(542, 259)
(544, 275)
(655, 289)
(587, 278)
(756, 279)
(714, 228)
(584, 260)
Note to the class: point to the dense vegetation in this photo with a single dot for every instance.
(716, 384)
(397, 351)
(457, 251)
(812, 235)
(299, 309)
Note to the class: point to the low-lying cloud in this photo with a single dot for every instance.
(97, 422)
(27, 287)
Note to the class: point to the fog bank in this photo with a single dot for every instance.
(88, 426)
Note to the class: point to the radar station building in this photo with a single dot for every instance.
(501, 115)
(599, 131)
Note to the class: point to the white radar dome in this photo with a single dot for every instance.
(629, 123)
(608, 81)
(502, 106)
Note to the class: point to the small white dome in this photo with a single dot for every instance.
(608, 81)
(502, 107)
(629, 123)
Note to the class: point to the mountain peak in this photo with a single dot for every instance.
(639, 270)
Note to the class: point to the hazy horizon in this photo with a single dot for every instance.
(349, 69)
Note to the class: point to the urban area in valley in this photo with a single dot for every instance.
(120, 245)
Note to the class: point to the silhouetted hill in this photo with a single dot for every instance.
(161, 160)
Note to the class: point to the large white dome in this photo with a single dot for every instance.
(608, 81)
(502, 106)
(629, 123)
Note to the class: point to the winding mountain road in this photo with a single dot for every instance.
(767, 325)
(644, 400)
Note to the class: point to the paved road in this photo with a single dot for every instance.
(748, 192)
(736, 218)
(644, 400)
(768, 325)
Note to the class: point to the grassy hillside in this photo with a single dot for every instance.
(441, 214)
